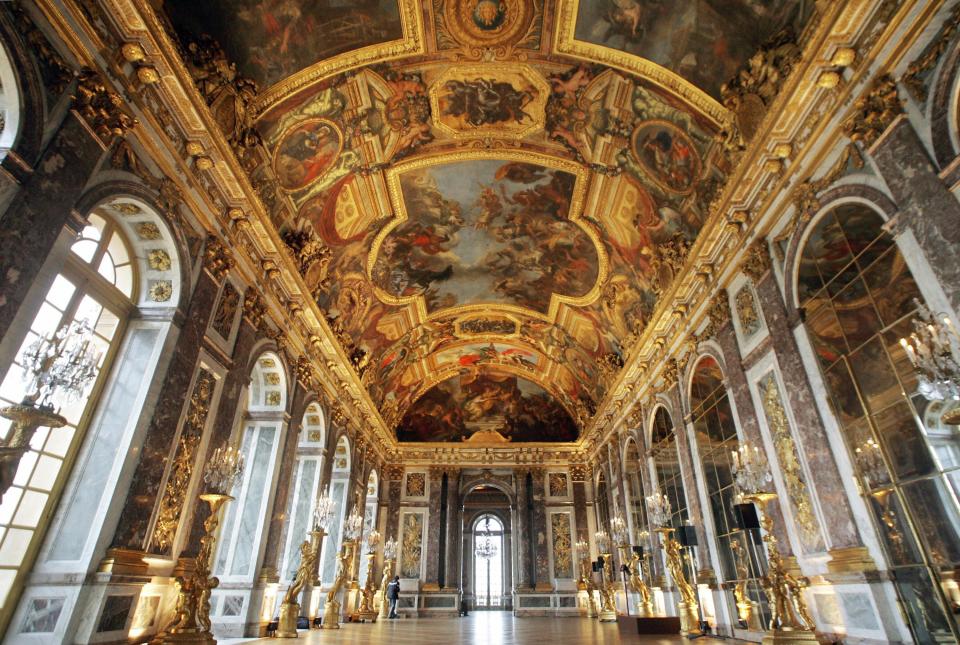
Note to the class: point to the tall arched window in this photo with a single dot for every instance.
(666, 463)
(603, 502)
(489, 562)
(241, 540)
(717, 438)
(857, 294)
(339, 482)
(306, 484)
(98, 283)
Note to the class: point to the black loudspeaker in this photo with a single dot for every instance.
(638, 550)
(596, 566)
(746, 516)
(687, 535)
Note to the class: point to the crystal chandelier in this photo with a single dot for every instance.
(932, 349)
(486, 549)
(583, 548)
(750, 472)
(658, 509)
(618, 530)
(390, 548)
(323, 512)
(67, 362)
(354, 524)
(223, 469)
(603, 541)
(373, 539)
(870, 463)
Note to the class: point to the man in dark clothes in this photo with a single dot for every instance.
(393, 594)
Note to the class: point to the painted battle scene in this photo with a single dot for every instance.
(497, 232)
(272, 39)
(705, 41)
(491, 400)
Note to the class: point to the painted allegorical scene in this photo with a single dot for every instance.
(518, 409)
(705, 41)
(497, 232)
(272, 39)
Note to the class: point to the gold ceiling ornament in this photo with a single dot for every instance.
(667, 262)
(756, 261)
(718, 314)
(36, 41)
(238, 218)
(914, 79)
(565, 42)
(749, 94)
(481, 26)
(310, 253)
(305, 370)
(874, 111)
(217, 258)
(103, 110)
(254, 308)
(580, 472)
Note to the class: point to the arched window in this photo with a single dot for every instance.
(488, 562)
(97, 283)
(666, 462)
(339, 482)
(241, 540)
(858, 294)
(603, 502)
(306, 484)
(717, 438)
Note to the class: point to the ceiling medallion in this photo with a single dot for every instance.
(488, 23)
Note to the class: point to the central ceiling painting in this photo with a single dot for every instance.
(486, 216)
(485, 231)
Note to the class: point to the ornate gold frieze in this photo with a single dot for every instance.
(226, 310)
(181, 469)
(874, 111)
(416, 485)
(411, 548)
(791, 469)
(718, 314)
(253, 307)
(747, 312)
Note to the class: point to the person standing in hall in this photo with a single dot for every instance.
(393, 595)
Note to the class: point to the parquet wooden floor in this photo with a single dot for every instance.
(482, 628)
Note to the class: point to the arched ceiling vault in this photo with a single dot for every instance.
(486, 198)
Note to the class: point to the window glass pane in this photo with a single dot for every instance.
(45, 473)
(98, 223)
(88, 310)
(124, 280)
(14, 546)
(118, 250)
(31, 508)
(85, 248)
(47, 321)
(106, 268)
(878, 384)
(60, 292)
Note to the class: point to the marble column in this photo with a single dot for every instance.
(431, 549)
(541, 547)
(454, 529)
(925, 204)
(43, 206)
(524, 534)
(133, 530)
(840, 527)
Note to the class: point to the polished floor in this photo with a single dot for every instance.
(483, 628)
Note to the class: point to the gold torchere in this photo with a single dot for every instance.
(585, 583)
(608, 606)
(290, 609)
(687, 608)
(26, 418)
(191, 622)
(367, 611)
(331, 610)
(790, 621)
(747, 610)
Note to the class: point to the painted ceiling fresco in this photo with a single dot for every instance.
(704, 41)
(488, 221)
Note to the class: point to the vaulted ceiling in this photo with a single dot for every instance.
(486, 198)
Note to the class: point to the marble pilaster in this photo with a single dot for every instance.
(431, 549)
(539, 543)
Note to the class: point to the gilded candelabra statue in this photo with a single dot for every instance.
(688, 608)
(390, 548)
(747, 610)
(331, 610)
(309, 556)
(790, 621)
(367, 609)
(191, 622)
(64, 363)
(608, 605)
(618, 529)
(585, 583)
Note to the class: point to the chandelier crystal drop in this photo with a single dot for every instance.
(223, 469)
(603, 541)
(658, 509)
(354, 524)
(65, 362)
(618, 530)
(373, 539)
(933, 351)
(750, 472)
(390, 548)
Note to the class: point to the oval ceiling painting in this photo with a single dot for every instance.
(487, 402)
(306, 152)
(667, 155)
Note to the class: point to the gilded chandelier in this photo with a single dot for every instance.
(750, 472)
(65, 363)
(323, 512)
(658, 509)
(932, 349)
